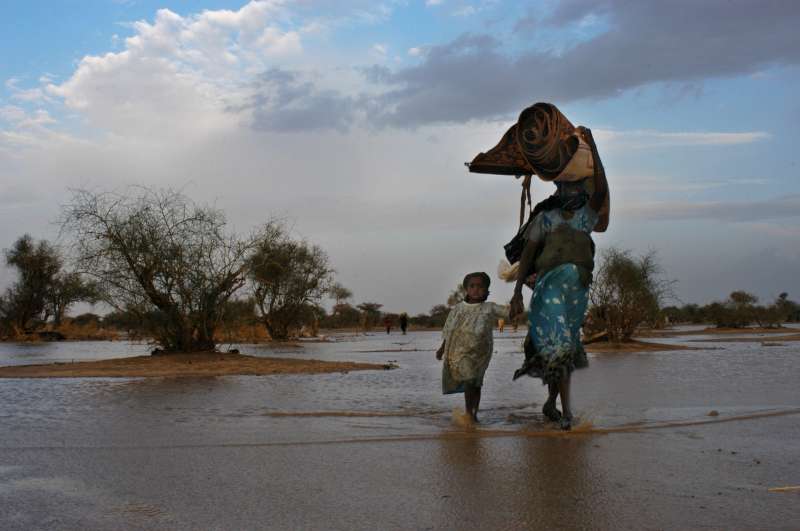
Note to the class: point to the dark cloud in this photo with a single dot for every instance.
(473, 77)
(464, 79)
(285, 102)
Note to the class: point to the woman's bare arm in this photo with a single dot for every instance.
(525, 266)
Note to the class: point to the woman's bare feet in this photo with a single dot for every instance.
(550, 411)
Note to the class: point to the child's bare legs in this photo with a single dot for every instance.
(563, 390)
(472, 400)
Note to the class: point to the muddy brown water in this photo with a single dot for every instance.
(383, 449)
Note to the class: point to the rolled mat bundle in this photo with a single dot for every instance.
(544, 142)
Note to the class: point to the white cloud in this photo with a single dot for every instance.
(379, 50)
(657, 139)
(179, 73)
(433, 2)
(12, 113)
(415, 51)
(465, 11)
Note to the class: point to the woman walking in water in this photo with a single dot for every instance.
(558, 250)
(561, 253)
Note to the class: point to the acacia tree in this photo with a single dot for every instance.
(163, 259)
(370, 314)
(43, 289)
(67, 289)
(25, 301)
(627, 291)
(342, 313)
(289, 279)
(339, 293)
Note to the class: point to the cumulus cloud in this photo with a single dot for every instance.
(644, 43)
(179, 73)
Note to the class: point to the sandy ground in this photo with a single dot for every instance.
(199, 364)
(632, 346)
(750, 339)
(671, 332)
(225, 364)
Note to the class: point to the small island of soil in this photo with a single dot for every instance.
(195, 364)
(632, 346)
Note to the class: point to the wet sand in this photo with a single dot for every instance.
(753, 339)
(633, 346)
(184, 365)
(227, 364)
(678, 332)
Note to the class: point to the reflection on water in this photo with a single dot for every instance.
(617, 391)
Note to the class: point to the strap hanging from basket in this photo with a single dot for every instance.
(525, 197)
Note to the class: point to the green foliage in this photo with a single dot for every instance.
(627, 291)
(289, 279)
(343, 315)
(738, 311)
(438, 315)
(43, 288)
(370, 314)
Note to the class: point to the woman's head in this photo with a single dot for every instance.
(477, 287)
(572, 195)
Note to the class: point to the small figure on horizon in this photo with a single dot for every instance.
(404, 322)
(387, 323)
(501, 324)
(467, 342)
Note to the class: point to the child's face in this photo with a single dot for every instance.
(475, 289)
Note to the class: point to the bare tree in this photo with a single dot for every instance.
(289, 279)
(627, 291)
(162, 258)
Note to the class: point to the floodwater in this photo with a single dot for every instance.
(385, 450)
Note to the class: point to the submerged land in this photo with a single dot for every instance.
(195, 365)
(208, 364)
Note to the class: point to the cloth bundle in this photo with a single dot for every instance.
(544, 142)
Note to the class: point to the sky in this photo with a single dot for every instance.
(351, 121)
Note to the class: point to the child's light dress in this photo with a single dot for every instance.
(467, 335)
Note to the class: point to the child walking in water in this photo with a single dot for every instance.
(468, 344)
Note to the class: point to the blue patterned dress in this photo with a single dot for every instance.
(558, 306)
